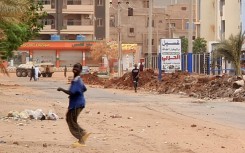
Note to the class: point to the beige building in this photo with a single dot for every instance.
(168, 22)
(219, 19)
(69, 18)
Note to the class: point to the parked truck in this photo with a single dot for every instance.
(24, 70)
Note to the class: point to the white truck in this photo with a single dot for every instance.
(24, 70)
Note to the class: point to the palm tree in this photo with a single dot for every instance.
(231, 49)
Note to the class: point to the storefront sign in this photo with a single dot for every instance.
(35, 45)
(170, 50)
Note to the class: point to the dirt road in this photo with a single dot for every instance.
(121, 121)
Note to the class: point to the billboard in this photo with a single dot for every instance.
(170, 50)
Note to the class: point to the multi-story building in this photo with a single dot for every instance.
(168, 22)
(219, 19)
(69, 18)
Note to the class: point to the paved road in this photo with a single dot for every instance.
(225, 113)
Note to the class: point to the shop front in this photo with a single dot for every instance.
(61, 53)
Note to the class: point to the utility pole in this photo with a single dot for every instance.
(190, 35)
(59, 18)
(150, 34)
(119, 39)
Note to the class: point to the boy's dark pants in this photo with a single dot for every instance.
(71, 119)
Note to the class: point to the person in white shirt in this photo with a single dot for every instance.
(36, 73)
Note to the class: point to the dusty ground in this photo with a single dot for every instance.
(117, 127)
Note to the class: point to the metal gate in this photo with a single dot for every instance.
(200, 63)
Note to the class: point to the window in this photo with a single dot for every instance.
(100, 2)
(146, 4)
(112, 21)
(131, 30)
(222, 3)
(46, 2)
(100, 22)
(172, 25)
(74, 2)
(152, 42)
(183, 8)
(153, 23)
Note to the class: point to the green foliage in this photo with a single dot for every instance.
(184, 44)
(231, 49)
(199, 45)
(16, 33)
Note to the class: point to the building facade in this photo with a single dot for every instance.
(219, 19)
(69, 18)
(168, 22)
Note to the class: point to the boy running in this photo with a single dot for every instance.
(76, 105)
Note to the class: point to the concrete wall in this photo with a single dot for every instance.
(232, 17)
(208, 20)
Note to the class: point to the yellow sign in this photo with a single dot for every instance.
(125, 46)
(129, 46)
(34, 45)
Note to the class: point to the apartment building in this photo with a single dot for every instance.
(168, 22)
(69, 18)
(219, 19)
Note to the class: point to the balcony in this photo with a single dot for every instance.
(49, 26)
(77, 26)
(78, 6)
(49, 6)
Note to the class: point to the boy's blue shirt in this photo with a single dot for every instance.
(77, 88)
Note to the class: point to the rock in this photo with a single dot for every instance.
(193, 95)
(16, 143)
(21, 124)
(116, 116)
(238, 99)
(182, 93)
(193, 125)
(238, 84)
(45, 145)
(237, 91)
(2, 141)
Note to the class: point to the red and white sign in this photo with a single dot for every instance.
(170, 50)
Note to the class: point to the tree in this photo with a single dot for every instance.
(104, 48)
(15, 30)
(11, 11)
(199, 45)
(184, 44)
(231, 49)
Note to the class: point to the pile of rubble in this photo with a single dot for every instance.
(199, 86)
(125, 82)
(92, 79)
